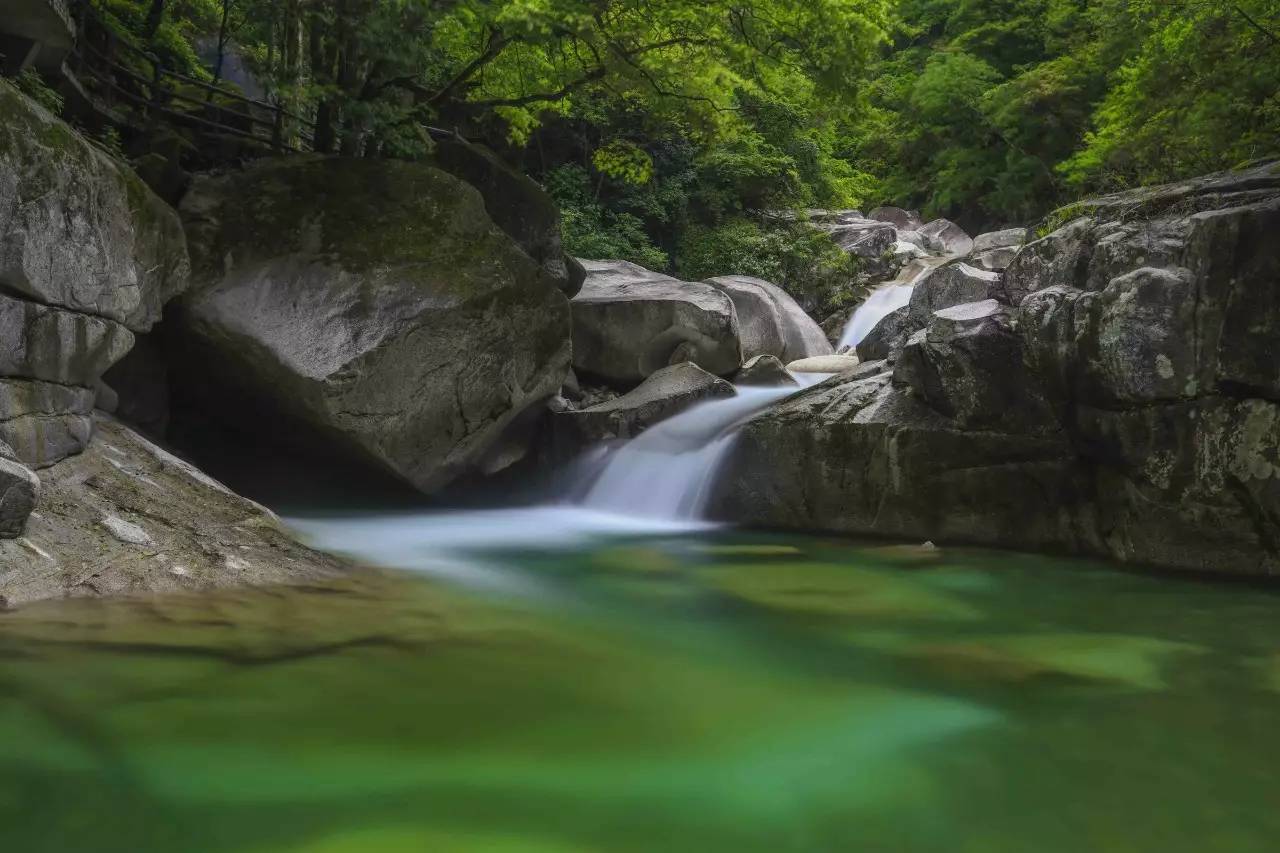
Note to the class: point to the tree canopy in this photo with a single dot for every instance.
(674, 132)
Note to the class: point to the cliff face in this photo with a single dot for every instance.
(1118, 393)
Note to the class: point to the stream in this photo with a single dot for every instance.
(613, 673)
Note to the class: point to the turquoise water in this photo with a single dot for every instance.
(709, 691)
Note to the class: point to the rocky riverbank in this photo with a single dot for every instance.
(1109, 387)
(1115, 391)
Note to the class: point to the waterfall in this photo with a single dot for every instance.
(667, 472)
(882, 301)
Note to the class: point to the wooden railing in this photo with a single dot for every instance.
(121, 74)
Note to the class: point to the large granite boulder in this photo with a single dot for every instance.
(88, 257)
(862, 456)
(629, 322)
(78, 230)
(667, 392)
(950, 285)
(1129, 405)
(865, 238)
(946, 237)
(968, 366)
(769, 320)
(126, 518)
(888, 336)
(517, 205)
(375, 307)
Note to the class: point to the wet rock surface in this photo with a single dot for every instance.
(1115, 392)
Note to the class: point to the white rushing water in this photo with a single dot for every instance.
(653, 485)
(667, 472)
(882, 301)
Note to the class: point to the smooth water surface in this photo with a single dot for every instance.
(670, 689)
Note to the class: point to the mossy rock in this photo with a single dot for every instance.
(820, 589)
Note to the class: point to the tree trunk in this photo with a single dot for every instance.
(155, 14)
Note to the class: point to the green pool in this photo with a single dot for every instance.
(706, 691)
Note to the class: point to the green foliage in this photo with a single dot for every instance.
(999, 111)
(803, 261)
(31, 84)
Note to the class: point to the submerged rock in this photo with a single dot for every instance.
(769, 320)
(126, 517)
(629, 322)
(376, 306)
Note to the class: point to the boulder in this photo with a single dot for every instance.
(374, 307)
(865, 238)
(995, 260)
(1008, 238)
(19, 494)
(55, 345)
(78, 230)
(517, 205)
(824, 364)
(946, 286)
(769, 320)
(943, 235)
(1128, 406)
(887, 337)
(629, 322)
(766, 371)
(127, 518)
(667, 392)
(968, 366)
(44, 422)
(903, 220)
(861, 456)
(88, 256)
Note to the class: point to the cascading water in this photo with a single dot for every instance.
(668, 470)
(882, 301)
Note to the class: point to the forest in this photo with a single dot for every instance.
(673, 133)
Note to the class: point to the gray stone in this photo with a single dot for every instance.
(78, 230)
(824, 364)
(866, 239)
(1006, 239)
(943, 235)
(43, 422)
(195, 534)
(968, 366)
(375, 307)
(888, 336)
(995, 260)
(1129, 406)
(769, 320)
(946, 286)
(51, 344)
(666, 393)
(766, 371)
(629, 322)
(517, 205)
(19, 494)
(903, 220)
